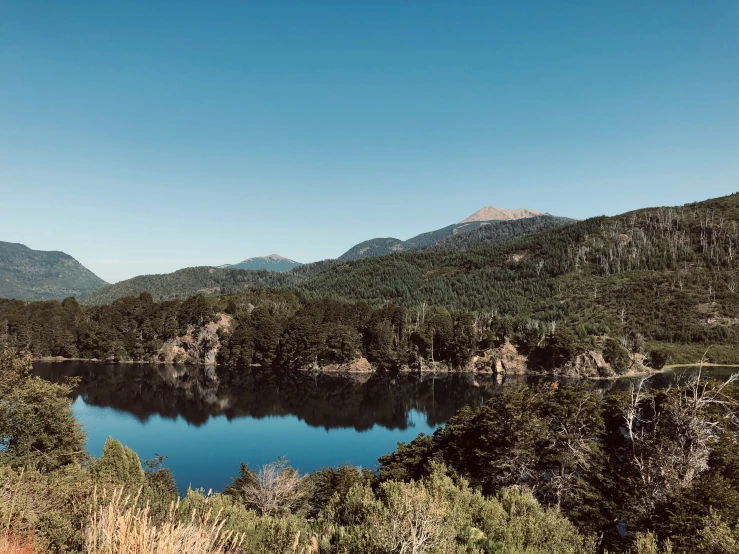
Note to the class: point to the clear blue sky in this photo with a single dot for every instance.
(142, 137)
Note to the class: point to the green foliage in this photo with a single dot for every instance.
(536, 470)
(450, 515)
(655, 279)
(718, 536)
(118, 465)
(573, 448)
(324, 483)
(617, 356)
(36, 422)
(658, 358)
(190, 281)
(51, 505)
(27, 274)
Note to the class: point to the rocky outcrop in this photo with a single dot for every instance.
(588, 363)
(491, 213)
(197, 345)
(504, 360)
(591, 364)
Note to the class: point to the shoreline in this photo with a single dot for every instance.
(704, 364)
(58, 359)
(366, 370)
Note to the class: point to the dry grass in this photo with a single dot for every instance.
(117, 526)
(15, 544)
(11, 542)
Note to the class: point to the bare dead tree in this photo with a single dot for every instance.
(413, 522)
(274, 489)
(670, 441)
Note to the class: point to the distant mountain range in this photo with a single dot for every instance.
(273, 262)
(213, 281)
(383, 246)
(656, 278)
(27, 274)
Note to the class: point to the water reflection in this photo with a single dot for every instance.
(328, 400)
(209, 420)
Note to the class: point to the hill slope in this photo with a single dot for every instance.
(273, 262)
(668, 274)
(187, 282)
(27, 274)
(384, 246)
(500, 231)
(213, 281)
(653, 280)
(664, 274)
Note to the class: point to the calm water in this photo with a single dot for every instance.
(208, 422)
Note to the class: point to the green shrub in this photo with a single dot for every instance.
(658, 358)
(616, 356)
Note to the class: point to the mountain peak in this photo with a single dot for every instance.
(490, 213)
(271, 257)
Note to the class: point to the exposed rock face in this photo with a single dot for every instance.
(639, 364)
(197, 345)
(510, 360)
(503, 360)
(589, 363)
(491, 213)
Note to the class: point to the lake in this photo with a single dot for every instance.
(209, 420)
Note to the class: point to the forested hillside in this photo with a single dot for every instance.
(669, 273)
(190, 281)
(500, 231)
(649, 281)
(482, 218)
(224, 280)
(28, 274)
(273, 262)
(384, 246)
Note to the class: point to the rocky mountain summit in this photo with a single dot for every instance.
(492, 213)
